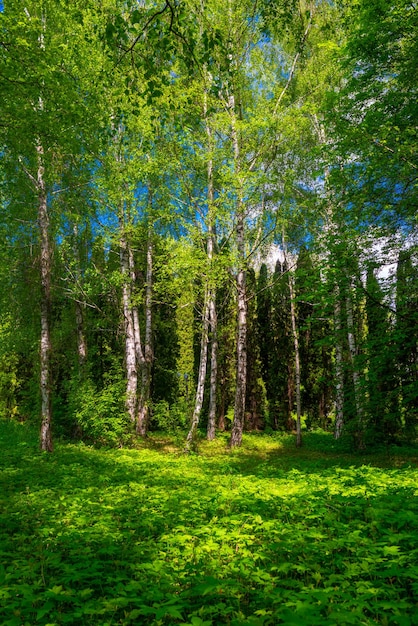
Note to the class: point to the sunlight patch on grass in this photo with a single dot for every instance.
(261, 535)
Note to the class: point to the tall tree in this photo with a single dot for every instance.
(406, 336)
(383, 392)
(34, 139)
(376, 111)
(255, 408)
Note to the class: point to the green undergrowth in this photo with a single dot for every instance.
(263, 535)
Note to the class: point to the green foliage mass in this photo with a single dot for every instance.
(99, 414)
(207, 132)
(262, 535)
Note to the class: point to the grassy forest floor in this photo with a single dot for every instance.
(266, 534)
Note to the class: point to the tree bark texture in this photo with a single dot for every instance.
(213, 367)
(81, 338)
(339, 371)
(130, 347)
(45, 267)
(139, 355)
(79, 312)
(241, 373)
(148, 353)
(200, 389)
(355, 373)
(297, 358)
(213, 320)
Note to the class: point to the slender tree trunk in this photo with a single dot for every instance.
(46, 254)
(213, 319)
(45, 349)
(241, 374)
(355, 373)
(81, 338)
(297, 358)
(126, 264)
(130, 347)
(339, 371)
(79, 313)
(213, 367)
(146, 362)
(200, 389)
(139, 355)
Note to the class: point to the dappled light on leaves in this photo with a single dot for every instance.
(265, 534)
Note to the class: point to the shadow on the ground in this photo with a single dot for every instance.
(91, 535)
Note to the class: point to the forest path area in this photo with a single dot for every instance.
(265, 534)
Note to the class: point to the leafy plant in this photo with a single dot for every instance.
(170, 418)
(9, 385)
(262, 535)
(100, 414)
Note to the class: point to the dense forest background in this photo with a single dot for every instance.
(209, 216)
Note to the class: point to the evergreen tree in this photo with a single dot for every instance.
(281, 388)
(406, 336)
(383, 396)
(314, 329)
(255, 410)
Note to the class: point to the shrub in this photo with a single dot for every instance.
(9, 385)
(170, 418)
(100, 414)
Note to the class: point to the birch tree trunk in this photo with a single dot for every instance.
(355, 373)
(213, 319)
(45, 266)
(241, 376)
(241, 373)
(81, 338)
(213, 367)
(130, 348)
(148, 354)
(79, 313)
(200, 389)
(45, 348)
(297, 358)
(139, 355)
(339, 372)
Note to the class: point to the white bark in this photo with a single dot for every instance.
(297, 358)
(45, 348)
(46, 254)
(147, 355)
(213, 367)
(130, 347)
(241, 374)
(79, 312)
(213, 319)
(200, 389)
(135, 313)
(355, 373)
(81, 338)
(339, 371)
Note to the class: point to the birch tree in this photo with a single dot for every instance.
(34, 138)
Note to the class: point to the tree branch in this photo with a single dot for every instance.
(295, 61)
